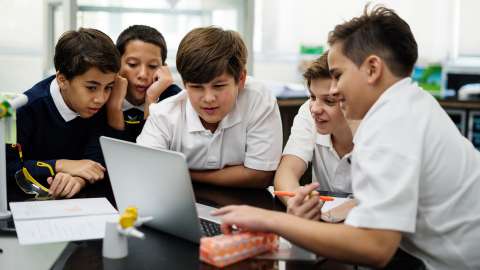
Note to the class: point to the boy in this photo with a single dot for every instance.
(61, 122)
(416, 177)
(145, 79)
(228, 129)
(321, 135)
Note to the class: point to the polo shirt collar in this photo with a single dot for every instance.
(127, 106)
(66, 113)
(194, 124)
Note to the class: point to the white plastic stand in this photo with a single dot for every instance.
(115, 245)
(4, 214)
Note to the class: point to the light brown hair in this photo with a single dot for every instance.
(207, 52)
(318, 69)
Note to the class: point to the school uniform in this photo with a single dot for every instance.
(413, 172)
(48, 130)
(328, 169)
(250, 135)
(134, 115)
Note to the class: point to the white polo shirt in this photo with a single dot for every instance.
(66, 113)
(250, 135)
(413, 172)
(328, 169)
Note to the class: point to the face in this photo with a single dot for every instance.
(325, 108)
(214, 100)
(350, 84)
(139, 63)
(86, 94)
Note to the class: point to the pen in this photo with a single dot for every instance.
(291, 194)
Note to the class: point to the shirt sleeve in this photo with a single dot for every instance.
(156, 132)
(264, 135)
(301, 142)
(385, 177)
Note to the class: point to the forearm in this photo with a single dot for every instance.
(356, 245)
(115, 118)
(234, 176)
(288, 174)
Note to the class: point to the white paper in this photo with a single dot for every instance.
(61, 208)
(62, 220)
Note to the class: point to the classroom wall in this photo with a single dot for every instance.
(21, 41)
(280, 27)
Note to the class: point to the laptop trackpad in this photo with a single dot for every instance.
(204, 212)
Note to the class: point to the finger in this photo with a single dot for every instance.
(226, 228)
(308, 189)
(223, 211)
(61, 185)
(312, 213)
(76, 188)
(99, 166)
(54, 184)
(68, 187)
(309, 204)
(49, 180)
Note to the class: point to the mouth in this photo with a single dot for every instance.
(141, 88)
(210, 110)
(93, 110)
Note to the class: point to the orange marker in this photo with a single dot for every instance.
(291, 194)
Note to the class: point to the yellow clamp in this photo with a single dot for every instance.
(129, 217)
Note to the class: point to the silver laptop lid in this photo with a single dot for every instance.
(157, 182)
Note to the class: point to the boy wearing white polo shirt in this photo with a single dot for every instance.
(320, 134)
(228, 128)
(416, 177)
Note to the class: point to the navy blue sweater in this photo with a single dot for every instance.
(45, 136)
(134, 118)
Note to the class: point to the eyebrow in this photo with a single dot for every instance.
(93, 82)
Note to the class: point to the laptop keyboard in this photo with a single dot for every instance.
(210, 228)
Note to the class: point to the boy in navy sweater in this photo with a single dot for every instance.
(63, 118)
(144, 79)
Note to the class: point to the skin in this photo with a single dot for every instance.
(357, 88)
(212, 101)
(85, 94)
(142, 79)
(328, 119)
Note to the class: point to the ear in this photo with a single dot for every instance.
(374, 66)
(242, 79)
(61, 80)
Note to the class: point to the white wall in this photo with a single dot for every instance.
(286, 24)
(21, 41)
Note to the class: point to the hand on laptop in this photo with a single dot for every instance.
(87, 169)
(245, 218)
(65, 185)
(305, 203)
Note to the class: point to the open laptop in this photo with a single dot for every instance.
(158, 183)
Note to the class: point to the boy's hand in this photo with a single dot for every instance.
(161, 81)
(118, 93)
(306, 203)
(87, 169)
(65, 185)
(245, 218)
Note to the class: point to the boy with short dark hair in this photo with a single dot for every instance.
(144, 79)
(63, 118)
(228, 129)
(415, 176)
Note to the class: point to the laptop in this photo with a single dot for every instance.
(158, 183)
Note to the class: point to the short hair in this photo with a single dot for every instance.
(78, 51)
(381, 32)
(207, 52)
(318, 69)
(143, 33)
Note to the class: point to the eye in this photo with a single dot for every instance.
(220, 85)
(132, 65)
(330, 101)
(313, 98)
(109, 88)
(153, 66)
(91, 88)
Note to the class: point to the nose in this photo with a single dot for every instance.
(142, 73)
(209, 96)
(334, 88)
(316, 107)
(101, 97)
